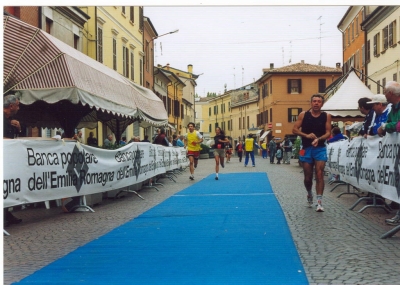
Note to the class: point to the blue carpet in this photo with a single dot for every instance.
(230, 231)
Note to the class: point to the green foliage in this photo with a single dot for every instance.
(296, 148)
(204, 148)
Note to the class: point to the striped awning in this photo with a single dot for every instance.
(39, 67)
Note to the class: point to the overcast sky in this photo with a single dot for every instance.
(232, 44)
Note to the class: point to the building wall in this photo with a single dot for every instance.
(28, 14)
(118, 26)
(279, 101)
(386, 65)
(220, 114)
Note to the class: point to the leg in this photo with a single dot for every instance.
(246, 160)
(252, 158)
(191, 166)
(308, 175)
(216, 156)
(319, 176)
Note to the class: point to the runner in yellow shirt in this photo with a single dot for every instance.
(193, 139)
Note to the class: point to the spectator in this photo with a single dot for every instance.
(146, 139)
(392, 94)
(288, 148)
(179, 141)
(249, 146)
(381, 109)
(279, 153)
(264, 149)
(57, 136)
(228, 151)
(108, 140)
(336, 135)
(272, 150)
(161, 138)
(239, 150)
(79, 137)
(11, 129)
(122, 141)
(92, 141)
(366, 109)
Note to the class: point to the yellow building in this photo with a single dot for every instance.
(286, 91)
(244, 112)
(217, 113)
(114, 37)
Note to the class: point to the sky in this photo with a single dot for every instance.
(232, 44)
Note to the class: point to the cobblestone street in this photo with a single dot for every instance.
(338, 246)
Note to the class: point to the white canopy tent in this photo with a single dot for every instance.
(344, 101)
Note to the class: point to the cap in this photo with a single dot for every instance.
(378, 98)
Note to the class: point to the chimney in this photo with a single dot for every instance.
(302, 62)
(337, 64)
(167, 66)
(271, 66)
(190, 68)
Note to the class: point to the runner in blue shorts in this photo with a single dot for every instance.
(314, 127)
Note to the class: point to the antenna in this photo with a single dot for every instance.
(234, 79)
(242, 75)
(320, 27)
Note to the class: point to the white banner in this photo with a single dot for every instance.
(41, 170)
(370, 164)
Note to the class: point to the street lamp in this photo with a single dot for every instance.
(173, 32)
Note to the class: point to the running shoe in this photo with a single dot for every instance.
(309, 201)
(319, 207)
(395, 221)
(216, 177)
(191, 177)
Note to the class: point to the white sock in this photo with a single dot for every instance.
(216, 174)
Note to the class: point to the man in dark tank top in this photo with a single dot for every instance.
(314, 127)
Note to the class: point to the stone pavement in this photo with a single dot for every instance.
(337, 246)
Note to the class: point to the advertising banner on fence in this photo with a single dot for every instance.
(370, 164)
(41, 170)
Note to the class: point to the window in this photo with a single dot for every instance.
(209, 128)
(141, 18)
(294, 86)
(182, 111)
(169, 106)
(357, 60)
(270, 115)
(216, 125)
(132, 65)
(125, 61)
(321, 85)
(348, 36)
(49, 24)
(114, 45)
(383, 83)
(209, 111)
(378, 90)
(132, 14)
(270, 87)
(357, 26)
(265, 90)
(244, 123)
(76, 41)
(293, 114)
(352, 31)
(385, 40)
(141, 71)
(392, 33)
(395, 77)
(376, 45)
(362, 55)
(99, 44)
(248, 121)
(222, 108)
(240, 124)
(229, 125)
(123, 9)
(223, 125)
(368, 52)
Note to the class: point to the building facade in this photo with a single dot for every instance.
(383, 38)
(285, 92)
